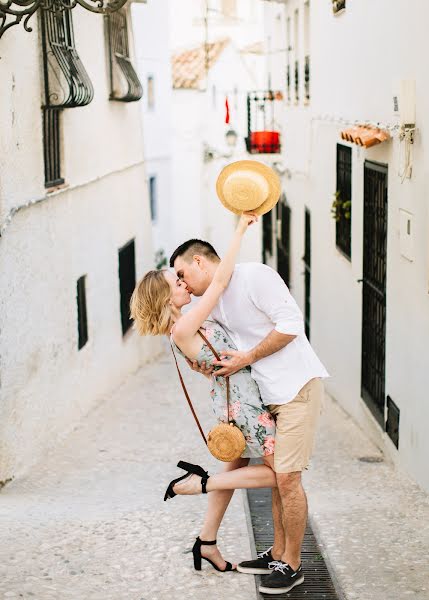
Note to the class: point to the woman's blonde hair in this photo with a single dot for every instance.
(149, 304)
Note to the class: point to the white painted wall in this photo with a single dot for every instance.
(151, 23)
(188, 24)
(199, 118)
(357, 58)
(47, 385)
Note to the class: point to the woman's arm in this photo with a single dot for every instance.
(189, 323)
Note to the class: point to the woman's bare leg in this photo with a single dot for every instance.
(218, 502)
(249, 477)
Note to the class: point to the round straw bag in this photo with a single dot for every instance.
(225, 441)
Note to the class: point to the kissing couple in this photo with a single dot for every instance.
(246, 316)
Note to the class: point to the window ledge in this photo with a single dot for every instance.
(343, 254)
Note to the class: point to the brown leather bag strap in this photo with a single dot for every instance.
(187, 396)
(216, 355)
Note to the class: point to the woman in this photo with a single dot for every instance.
(156, 307)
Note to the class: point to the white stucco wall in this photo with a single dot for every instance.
(152, 29)
(187, 17)
(199, 119)
(343, 87)
(47, 385)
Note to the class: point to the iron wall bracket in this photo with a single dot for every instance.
(12, 12)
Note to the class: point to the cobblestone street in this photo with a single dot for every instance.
(90, 524)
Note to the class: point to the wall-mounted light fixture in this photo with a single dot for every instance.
(210, 153)
(407, 117)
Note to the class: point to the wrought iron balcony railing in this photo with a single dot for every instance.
(263, 136)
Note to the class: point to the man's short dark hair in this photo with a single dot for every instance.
(192, 247)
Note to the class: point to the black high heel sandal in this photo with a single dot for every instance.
(196, 551)
(190, 470)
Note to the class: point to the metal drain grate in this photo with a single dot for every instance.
(318, 583)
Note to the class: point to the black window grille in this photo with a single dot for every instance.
(343, 201)
(297, 81)
(153, 198)
(374, 289)
(127, 282)
(307, 272)
(66, 82)
(283, 240)
(125, 85)
(82, 323)
(263, 136)
(52, 146)
(307, 78)
(267, 236)
(392, 421)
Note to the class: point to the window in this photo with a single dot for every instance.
(267, 237)
(307, 52)
(150, 92)
(288, 59)
(343, 200)
(127, 282)
(296, 52)
(82, 324)
(66, 82)
(52, 146)
(153, 198)
(392, 421)
(307, 272)
(125, 85)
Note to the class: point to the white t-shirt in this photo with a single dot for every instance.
(255, 302)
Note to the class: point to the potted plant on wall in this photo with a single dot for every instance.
(341, 209)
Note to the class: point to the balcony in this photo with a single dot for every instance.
(263, 129)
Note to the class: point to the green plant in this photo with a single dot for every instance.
(341, 209)
(160, 259)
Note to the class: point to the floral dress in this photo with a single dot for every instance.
(246, 409)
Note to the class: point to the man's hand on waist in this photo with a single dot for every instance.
(234, 362)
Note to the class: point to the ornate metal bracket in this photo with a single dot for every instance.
(12, 12)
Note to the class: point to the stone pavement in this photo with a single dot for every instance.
(371, 521)
(90, 522)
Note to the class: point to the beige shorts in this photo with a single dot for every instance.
(296, 425)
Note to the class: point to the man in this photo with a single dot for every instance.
(264, 321)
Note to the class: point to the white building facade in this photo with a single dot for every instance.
(151, 25)
(75, 225)
(360, 266)
(211, 79)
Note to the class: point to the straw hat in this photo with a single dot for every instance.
(248, 185)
